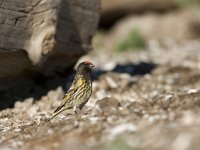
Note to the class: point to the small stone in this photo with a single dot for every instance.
(107, 106)
(192, 91)
(107, 103)
(111, 82)
(128, 127)
(109, 66)
(25, 104)
(33, 110)
(101, 94)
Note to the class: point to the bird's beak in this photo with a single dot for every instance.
(92, 66)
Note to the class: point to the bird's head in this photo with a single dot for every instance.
(85, 66)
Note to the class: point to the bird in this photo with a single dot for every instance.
(80, 90)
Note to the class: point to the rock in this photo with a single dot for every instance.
(25, 104)
(44, 37)
(33, 110)
(112, 80)
(119, 129)
(107, 105)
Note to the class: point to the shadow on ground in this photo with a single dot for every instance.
(40, 85)
(140, 68)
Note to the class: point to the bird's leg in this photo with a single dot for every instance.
(74, 109)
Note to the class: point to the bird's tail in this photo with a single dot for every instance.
(56, 112)
(59, 108)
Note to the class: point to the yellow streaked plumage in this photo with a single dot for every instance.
(81, 89)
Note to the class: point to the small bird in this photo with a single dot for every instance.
(79, 92)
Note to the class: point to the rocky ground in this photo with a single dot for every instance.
(150, 100)
(143, 100)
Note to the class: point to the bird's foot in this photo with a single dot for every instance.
(75, 112)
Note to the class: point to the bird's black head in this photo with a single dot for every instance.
(85, 67)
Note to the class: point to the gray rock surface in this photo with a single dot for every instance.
(40, 36)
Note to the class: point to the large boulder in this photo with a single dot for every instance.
(45, 37)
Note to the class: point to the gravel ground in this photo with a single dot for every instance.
(141, 100)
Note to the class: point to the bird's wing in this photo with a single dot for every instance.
(69, 96)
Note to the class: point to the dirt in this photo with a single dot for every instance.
(150, 100)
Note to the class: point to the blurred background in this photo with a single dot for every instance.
(145, 82)
(147, 23)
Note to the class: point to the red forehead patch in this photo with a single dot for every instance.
(87, 62)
